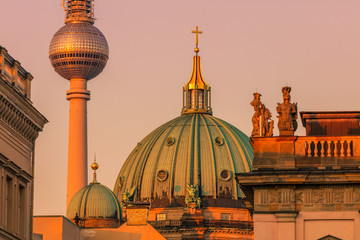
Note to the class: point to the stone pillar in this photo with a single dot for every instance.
(286, 225)
(78, 95)
(15, 74)
(2, 196)
(3, 52)
(27, 85)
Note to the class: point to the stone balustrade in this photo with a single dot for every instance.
(306, 152)
(327, 146)
(14, 74)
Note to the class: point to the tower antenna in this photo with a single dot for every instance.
(63, 5)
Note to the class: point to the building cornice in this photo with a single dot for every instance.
(19, 114)
(14, 169)
(296, 177)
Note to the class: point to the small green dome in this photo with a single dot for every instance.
(196, 149)
(94, 201)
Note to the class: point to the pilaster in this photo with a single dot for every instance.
(286, 225)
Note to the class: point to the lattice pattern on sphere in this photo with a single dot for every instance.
(78, 50)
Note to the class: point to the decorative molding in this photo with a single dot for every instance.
(279, 199)
(11, 168)
(18, 121)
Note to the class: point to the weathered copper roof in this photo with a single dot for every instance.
(94, 201)
(191, 149)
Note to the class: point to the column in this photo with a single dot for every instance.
(78, 95)
(286, 225)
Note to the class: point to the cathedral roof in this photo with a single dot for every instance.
(94, 201)
(194, 149)
(197, 149)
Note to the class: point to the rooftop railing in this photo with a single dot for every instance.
(240, 225)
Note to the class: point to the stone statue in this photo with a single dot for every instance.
(287, 114)
(192, 200)
(128, 196)
(261, 120)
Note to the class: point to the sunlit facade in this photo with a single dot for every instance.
(307, 187)
(20, 124)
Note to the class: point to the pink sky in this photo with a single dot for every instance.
(313, 46)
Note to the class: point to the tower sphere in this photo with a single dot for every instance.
(78, 50)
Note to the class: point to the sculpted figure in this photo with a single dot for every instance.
(256, 117)
(261, 120)
(287, 114)
(192, 200)
(128, 196)
(268, 123)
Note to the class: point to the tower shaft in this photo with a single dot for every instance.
(78, 95)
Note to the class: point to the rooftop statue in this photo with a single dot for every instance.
(261, 120)
(287, 114)
(192, 200)
(128, 197)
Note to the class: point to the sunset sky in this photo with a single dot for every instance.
(247, 46)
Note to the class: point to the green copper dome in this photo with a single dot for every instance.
(95, 201)
(195, 148)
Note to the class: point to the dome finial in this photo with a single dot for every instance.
(197, 32)
(94, 166)
(79, 10)
(196, 93)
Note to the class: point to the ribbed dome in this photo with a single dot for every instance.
(191, 149)
(95, 201)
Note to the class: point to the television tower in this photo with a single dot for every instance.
(78, 52)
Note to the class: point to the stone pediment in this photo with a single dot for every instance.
(329, 237)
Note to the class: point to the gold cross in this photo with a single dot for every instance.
(197, 32)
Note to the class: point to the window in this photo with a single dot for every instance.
(226, 216)
(160, 216)
(9, 198)
(21, 210)
(201, 99)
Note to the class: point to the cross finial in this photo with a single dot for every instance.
(197, 32)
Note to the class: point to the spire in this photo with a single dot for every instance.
(196, 93)
(94, 166)
(79, 10)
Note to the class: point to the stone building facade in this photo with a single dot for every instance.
(20, 124)
(307, 187)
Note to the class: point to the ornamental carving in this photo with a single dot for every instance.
(261, 120)
(299, 197)
(275, 197)
(18, 121)
(356, 196)
(318, 196)
(338, 196)
(287, 114)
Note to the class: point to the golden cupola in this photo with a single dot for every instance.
(196, 93)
